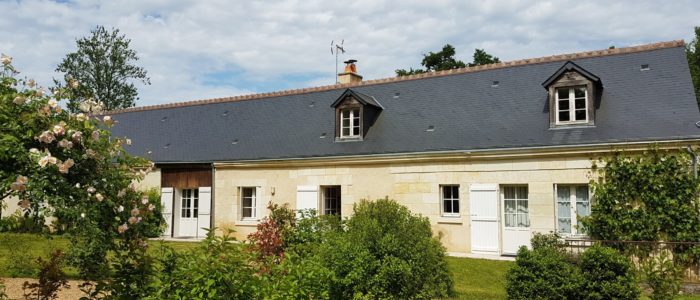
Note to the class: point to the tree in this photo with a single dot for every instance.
(104, 66)
(692, 51)
(444, 60)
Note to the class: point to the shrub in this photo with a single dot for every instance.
(51, 279)
(218, 269)
(154, 223)
(662, 275)
(20, 222)
(386, 252)
(607, 274)
(296, 278)
(543, 273)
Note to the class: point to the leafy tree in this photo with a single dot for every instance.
(103, 68)
(444, 60)
(483, 58)
(692, 51)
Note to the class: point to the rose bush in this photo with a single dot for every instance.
(68, 166)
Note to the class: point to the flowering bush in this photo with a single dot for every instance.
(67, 166)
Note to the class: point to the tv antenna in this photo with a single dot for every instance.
(337, 49)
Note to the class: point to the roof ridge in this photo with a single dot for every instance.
(501, 65)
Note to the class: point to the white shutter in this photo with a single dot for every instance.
(204, 215)
(307, 197)
(259, 203)
(166, 201)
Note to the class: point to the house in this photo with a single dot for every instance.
(490, 154)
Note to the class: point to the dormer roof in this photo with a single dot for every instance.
(571, 66)
(362, 98)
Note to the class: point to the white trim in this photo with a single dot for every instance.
(573, 211)
(353, 122)
(572, 104)
(453, 199)
(254, 216)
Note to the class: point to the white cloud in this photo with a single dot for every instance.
(268, 45)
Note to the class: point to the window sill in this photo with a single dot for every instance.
(348, 139)
(250, 222)
(457, 220)
(571, 126)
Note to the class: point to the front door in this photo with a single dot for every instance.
(483, 206)
(516, 218)
(189, 211)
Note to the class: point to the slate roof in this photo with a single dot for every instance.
(466, 110)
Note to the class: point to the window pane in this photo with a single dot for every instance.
(583, 206)
(564, 225)
(523, 220)
(447, 206)
(509, 206)
(564, 209)
(522, 192)
(247, 192)
(356, 130)
(582, 193)
(580, 115)
(455, 206)
(247, 212)
(346, 131)
(522, 207)
(563, 93)
(563, 116)
(446, 192)
(510, 220)
(580, 103)
(564, 105)
(580, 92)
(509, 192)
(346, 122)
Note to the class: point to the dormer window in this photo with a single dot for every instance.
(572, 105)
(354, 115)
(573, 92)
(350, 123)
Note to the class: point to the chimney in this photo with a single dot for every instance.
(350, 74)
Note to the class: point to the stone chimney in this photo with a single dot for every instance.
(349, 75)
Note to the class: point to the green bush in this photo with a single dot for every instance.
(296, 278)
(607, 274)
(386, 252)
(662, 275)
(543, 273)
(219, 268)
(19, 222)
(154, 223)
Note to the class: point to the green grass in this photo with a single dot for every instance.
(478, 278)
(473, 278)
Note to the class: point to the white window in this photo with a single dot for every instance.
(249, 203)
(189, 203)
(331, 200)
(350, 123)
(572, 105)
(573, 202)
(515, 207)
(450, 200)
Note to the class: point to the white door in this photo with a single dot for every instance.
(204, 214)
(483, 207)
(516, 218)
(307, 197)
(166, 201)
(189, 209)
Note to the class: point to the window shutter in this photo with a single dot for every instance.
(204, 217)
(259, 202)
(307, 197)
(166, 201)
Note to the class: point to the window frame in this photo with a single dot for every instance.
(325, 210)
(452, 199)
(254, 199)
(572, 104)
(573, 208)
(517, 198)
(354, 122)
(189, 203)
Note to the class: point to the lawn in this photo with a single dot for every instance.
(473, 278)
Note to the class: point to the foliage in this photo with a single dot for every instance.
(68, 166)
(51, 279)
(267, 239)
(607, 274)
(692, 52)
(550, 240)
(104, 66)
(651, 196)
(482, 58)
(153, 222)
(20, 222)
(218, 269)
(3, 295)
(386, 252)
(296, 277)
(662, 275)
(543, 273)
(444, 60)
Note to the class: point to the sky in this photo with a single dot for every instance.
(208, 49)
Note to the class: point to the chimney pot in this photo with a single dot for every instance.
(349, 75)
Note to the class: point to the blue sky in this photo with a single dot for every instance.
(207, 49)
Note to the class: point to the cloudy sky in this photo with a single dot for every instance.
(206, 49)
